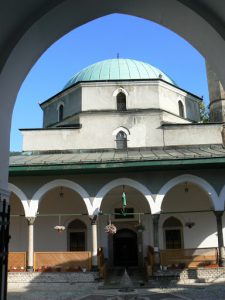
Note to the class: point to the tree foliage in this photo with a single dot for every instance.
(204, 112)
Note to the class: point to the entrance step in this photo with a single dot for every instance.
(114, 277)
(162, 278)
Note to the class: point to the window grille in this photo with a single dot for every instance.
(121, 140)
(181, 109)
(121, 102)
(61, 108)
(173, 233)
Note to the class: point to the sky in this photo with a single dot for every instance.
(101, 39)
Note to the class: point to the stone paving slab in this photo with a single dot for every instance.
(151, 296)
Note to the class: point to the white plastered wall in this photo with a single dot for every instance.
(18, 225)
(45, 237)
(204, 233)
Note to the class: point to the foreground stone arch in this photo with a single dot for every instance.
(19, 37)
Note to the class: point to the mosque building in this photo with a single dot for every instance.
(124, 164)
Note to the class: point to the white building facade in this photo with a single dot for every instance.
(119, 126)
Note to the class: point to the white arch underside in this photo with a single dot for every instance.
(188, 178)
(123, 181)
(22, 197)
(36, 199)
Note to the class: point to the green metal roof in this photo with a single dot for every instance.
(118, 69)
(179, 157)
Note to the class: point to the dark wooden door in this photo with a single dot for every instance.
(125, 248)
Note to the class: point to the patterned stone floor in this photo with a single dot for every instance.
(134, 281)
(149, 296)
(213, 291)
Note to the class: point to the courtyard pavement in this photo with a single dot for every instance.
(213, 291)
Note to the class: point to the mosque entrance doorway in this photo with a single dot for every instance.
(125, 248)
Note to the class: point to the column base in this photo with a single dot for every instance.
(30, 269)
(94, 269)
(157, 260)
(221, 259)
(222, 263)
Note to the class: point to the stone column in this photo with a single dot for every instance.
(94, 244)
(155, 219)
(219, 224)
(140, 247)
(30, 258)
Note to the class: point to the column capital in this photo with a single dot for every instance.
(218, 213)
(93, 219)
(155, 218)
(30, 220)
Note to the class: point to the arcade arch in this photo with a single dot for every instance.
(37, 198)
(191, 204)
(120, 182)
(57, 207)
(203, 184)
(21, 195)
(109, 204)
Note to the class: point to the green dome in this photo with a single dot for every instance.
(118, 69)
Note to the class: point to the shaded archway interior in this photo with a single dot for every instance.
(59, 206)
(18, 225)
(189, 203)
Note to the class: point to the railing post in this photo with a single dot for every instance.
(4, 241)
(30, 258)
(155, 219)
(221, 253)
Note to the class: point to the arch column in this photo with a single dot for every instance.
(219, 224)
(94, 232)
(30, 258)
(155, 219)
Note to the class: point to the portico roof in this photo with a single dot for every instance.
(198, 155)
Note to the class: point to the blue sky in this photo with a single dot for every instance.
(101, 39)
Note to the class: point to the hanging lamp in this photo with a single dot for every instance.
(110, 228)
(60, 228)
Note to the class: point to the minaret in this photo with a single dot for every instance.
(217, 96)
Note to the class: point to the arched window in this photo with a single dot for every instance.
(121, 102)
(121, 140)
(77, 231)
(61, 107)
(181, 109)
(173, 233)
